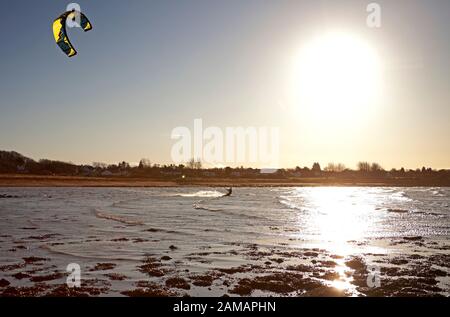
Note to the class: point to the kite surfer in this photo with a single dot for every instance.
(229, 192)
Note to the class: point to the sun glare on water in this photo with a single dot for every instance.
(337, 76)
(338, 216)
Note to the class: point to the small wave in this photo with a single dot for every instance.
(288, 203)
(397, 210)
(169, 231)
(202, 193)
(429, 213)
(201, 207)
(437, 193)
(84, 256)
(5, 196)
(402, 196)
(103, 215)
(126, 202)
(228, 213)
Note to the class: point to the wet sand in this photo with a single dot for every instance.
(18, 180)
(268, 272)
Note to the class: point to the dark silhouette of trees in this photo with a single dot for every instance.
(13, 162)
(335, 168)
(371, 169)
(316, 167)
(124, 165)
(145, 163)
(364, 167)
(375, 167)
(194, 164)
(57, 167)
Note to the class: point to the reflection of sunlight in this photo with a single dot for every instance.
(340, 285)
(340, 216)
(344, 282)
(337, 216)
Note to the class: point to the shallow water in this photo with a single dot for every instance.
(200, 231)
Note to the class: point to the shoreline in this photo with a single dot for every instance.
(15, 180)
(181, 242)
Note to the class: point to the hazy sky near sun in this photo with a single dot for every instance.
(150, 66)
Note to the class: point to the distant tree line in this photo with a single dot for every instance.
(13, 162)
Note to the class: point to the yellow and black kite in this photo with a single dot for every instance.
(60, 32)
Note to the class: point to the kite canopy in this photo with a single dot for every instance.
(60, 32)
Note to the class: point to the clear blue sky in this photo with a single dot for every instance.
(149, 66)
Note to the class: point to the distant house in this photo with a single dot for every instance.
(21, 168)
(268, 170)
(171, 173)
(86, 170)
(107, 173)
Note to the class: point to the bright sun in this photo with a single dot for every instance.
(338, 76)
